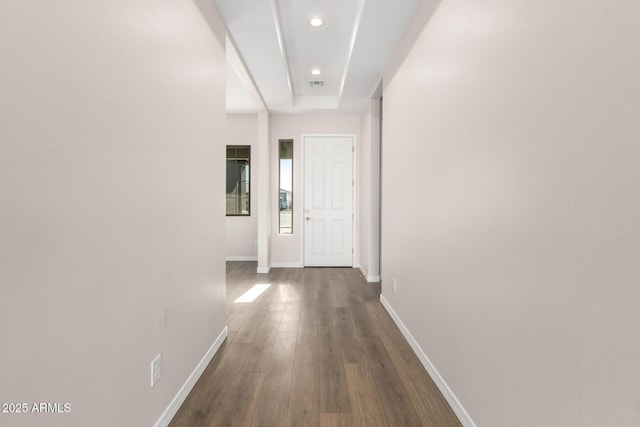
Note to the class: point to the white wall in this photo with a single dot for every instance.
(369, 191)
(286, 250)
(242, 231)
(111, 204)
(511, 171)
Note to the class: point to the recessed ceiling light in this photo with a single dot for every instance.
(315, 72)
(316, 22)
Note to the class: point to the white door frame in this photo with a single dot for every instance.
(354, 195)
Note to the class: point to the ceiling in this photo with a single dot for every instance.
(278, 48)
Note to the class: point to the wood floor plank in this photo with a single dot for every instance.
(289, 292)
(365, 403)
(389, 333)
(308, 323)
(304, 402)
(207, 396)
(338, 293)
(334, 395)
(259, 352)
(361, 317)
(277, 304)
(290, 317)
(250, 328)
(348, 339)
(397, 406)
(234, 325)
(336, 420)
(323, 302)
(431, 406)
(273, 401)
(239, 407)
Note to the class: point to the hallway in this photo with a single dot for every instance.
(316, 348)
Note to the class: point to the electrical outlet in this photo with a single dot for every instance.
(156, 370)
(395, 287)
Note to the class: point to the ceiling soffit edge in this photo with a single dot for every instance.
(283, 49)
(241, 70)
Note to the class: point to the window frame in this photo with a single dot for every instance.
(227, 158)
(280, 142)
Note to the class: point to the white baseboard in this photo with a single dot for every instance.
(368, 278)
(457, 407)
(177, 401)
(363, 271)
(263, 270)
(242, 258)
(286, 265)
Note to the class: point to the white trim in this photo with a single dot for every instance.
(179, 399)
(301, 172)
(238, 65)
(242, 258)
(352, 43)
(283, 50)
(363, 271)
(367, 277)
(355, 200)
(263, 270)
(457, 407)
(264, 192)
(287, 265)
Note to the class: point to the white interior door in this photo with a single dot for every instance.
(328, 201)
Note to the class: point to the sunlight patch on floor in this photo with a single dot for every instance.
(253, 293)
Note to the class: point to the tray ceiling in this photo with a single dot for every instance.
(280, 49)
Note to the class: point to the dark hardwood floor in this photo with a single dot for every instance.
(315, 349)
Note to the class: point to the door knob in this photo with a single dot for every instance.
(307, 218)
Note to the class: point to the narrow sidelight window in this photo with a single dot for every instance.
(285, 220)
(238, 175)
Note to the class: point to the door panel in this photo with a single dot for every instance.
(337, 184)
(328, 201)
